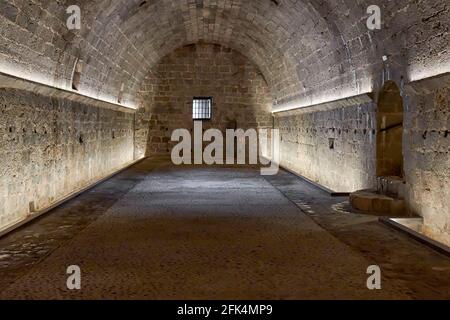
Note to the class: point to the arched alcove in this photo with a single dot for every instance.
(390, 131)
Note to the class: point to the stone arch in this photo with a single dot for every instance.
(390, 131)
(241, 95)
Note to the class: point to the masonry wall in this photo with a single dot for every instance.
(426, 150)
(240, 93)
(51, 147)
(332, 144)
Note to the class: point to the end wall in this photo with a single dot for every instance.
(240, 92)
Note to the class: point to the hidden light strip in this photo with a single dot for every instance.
(306, 103)
(421, 72)
(34, 77)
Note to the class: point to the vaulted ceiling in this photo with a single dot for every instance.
(304, 48)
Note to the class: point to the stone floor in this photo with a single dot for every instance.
(161, 232)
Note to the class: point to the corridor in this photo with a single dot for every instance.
(156, 231)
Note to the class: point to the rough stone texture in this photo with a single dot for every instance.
(240, 94)
(333, 145)
(370, 202)
(51, 147)
(308, 48)
(426, 150)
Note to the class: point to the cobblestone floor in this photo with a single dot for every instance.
(161, 232)
(422, 270)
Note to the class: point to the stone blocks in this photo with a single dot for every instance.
(427, 149)
(53, 146)
(370, 202)
(348, 164)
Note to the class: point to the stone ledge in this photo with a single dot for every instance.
(371, 202)
(12, 82)
(402, 225)
(329, 105)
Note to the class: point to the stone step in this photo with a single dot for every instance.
(371, 202)
(391, 186)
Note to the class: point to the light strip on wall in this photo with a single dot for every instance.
(417, 73)
(31, 76)
(315, 101)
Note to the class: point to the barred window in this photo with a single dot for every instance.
(202, 108)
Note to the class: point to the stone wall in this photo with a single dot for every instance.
(240, 95)
(332, 144)
(426, 149)
(53, 146)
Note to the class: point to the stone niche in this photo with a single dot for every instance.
(390, 131)
(241, 96)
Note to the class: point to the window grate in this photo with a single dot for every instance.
(202, 108)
